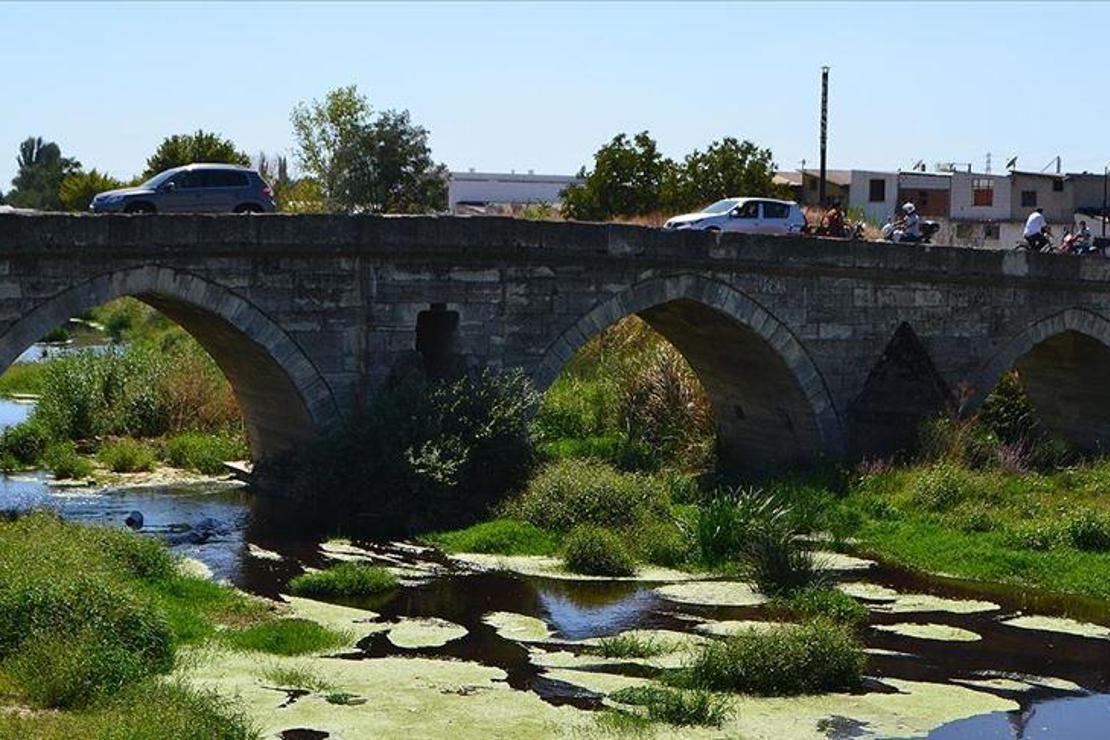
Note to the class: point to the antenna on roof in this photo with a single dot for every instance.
(1055, 159)
(1011, 163)
(919, 166)
(988, 171)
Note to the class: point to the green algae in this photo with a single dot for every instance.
(1061, 625)
(519, 627)
(424, 633)
(929, 631)
(541, 566)
(712, 593)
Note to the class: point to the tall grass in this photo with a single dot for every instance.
(345, 579)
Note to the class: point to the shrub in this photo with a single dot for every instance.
(630, 645)
(345, 579)
(777, 561)
(72, 670)
(945, 486)
(26, 442)
(438, 453)
(597, 552)
(285, 637)
(62, 460)
(1089, 531)
(23, 377)
(205, 453)
(676, 707)
(1036, 536)
(150, 710)
(572, 492)
(661, 543)
(127, 456)
(830, 603)
(817, 657)
(297, 677)
(1008, 413)
(1053, 452)
(500, 536)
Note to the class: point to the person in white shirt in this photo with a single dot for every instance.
(1083, 239)
(1036, 230)
(911, 230)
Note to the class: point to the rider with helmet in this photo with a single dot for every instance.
(911, 230)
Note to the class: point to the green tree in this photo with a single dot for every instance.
(727, 168)
(41, 171)
(182, 149)
(77, 190)
(365, 161)
(630, 178)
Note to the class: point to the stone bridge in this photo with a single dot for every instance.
(806, 347)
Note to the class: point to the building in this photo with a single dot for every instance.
(478, 191)
(805, 185)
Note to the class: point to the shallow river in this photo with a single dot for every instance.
(577, 609)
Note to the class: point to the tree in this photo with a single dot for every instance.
(182, 149)
(41, 171)
(726, 169)
(630, 178)
(77, 190)
(367, 162)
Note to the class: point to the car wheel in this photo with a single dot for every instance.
(248, 208)
(713, 230)
(139, 208)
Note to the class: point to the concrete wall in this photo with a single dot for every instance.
(805, 346)
(963, 206)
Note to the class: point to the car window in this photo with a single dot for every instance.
(188, 180)
(777, 211)
(223, 179)
(721, 206)
(748, 210)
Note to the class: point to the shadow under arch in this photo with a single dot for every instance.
(1064, 364)
(283, 398)
(771, 403)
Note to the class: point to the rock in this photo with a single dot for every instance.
(134, 520)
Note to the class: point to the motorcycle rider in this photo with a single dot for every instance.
(834, 220)
(1083, 241)
(1036, 230)
(911, 230)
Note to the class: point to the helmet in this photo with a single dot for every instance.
(909, 208)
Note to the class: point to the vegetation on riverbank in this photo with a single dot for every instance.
(159, 387)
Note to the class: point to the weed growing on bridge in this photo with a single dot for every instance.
(345, 579)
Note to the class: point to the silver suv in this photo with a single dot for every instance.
(194, 188)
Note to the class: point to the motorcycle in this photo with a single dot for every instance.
(926, 229)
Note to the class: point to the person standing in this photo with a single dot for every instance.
(1036, 230)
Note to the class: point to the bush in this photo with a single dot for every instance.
(345, 579)
(945, 486)
(285, 637)
(70, 598)
(1089, 531)
(66, 671)
(151, 710)
(500, 536)
(817, 602)
(205, 453)
(661, 543)
(127, 456)
(26, 442)
(630, 645)
(1052, 452)
(676, 707)
(571, 492)
(438, 454)
(63, 461)
(1036, 536)
(817, 657)
(777, 561)
(597, 552)
(1008, 413)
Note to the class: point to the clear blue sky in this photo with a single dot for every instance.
(541, 86)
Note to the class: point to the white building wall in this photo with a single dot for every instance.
(860, 193)
(962, 207)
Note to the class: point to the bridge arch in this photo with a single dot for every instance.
(1064, 362)
(771, 403)
(282, 396)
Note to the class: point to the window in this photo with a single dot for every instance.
(748, 210)
(982, 191)
(775, 210)
(188, 180)
(222, 179)
(922, 197)
(1028, 198)
(991, 231)
(877, 193)
(1058, 185)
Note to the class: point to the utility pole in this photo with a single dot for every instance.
(824, 133)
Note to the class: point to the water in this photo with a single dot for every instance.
(577, 610)
(14, 412)
(40, 351)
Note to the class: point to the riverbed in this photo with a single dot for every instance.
(923, 631)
